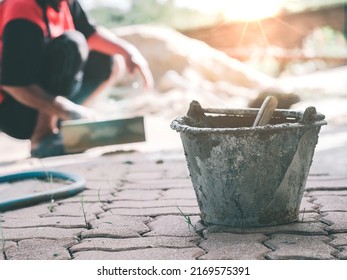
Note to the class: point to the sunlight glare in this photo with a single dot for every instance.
(251, 10)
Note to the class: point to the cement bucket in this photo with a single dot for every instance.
(246, 176)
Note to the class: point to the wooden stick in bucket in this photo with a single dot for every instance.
(266, 111)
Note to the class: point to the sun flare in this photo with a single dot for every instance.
(250, 10)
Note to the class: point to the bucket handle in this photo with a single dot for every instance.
(309, 116)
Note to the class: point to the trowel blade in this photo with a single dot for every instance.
(81, 135)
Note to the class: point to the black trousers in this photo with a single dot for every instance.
(69, 70)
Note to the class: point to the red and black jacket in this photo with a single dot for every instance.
(25, 26)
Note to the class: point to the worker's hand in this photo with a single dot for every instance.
(136, 62)
(106, 42)
(81, 112)
(71, 111)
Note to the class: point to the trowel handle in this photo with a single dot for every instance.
(266, 111)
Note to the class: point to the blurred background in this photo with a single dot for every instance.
(196, 46)
(224, 53)
(252, 31)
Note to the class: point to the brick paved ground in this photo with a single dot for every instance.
(131, 210)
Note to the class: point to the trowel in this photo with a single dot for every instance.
(266, 111)
(81, 135)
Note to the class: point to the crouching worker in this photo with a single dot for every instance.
(52, 62)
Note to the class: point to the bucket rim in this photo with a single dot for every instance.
(180, 123)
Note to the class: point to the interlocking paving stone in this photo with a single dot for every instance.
(289, 246)
(337, 221)
(155, 211)
(78, 209)
(339, 239)
(28, 212)
(116, 232)
(332, 203)
(27, 187)
(110, 245)
(152, 165)
(5, 246)
(326, 182)
(310, 217)
(110, 219)
(316, 228)
(143, 254)
(93, 195)
(59, 222)
(159, 184)
(154, 189)
(143, 166)
(145, 176)
(39, 249)
(176, 171)
(97, 170)
(172, 226)
(179, 194)
(138, 167)
(328, 193)
(152, 203)
(114, 226)
(138, 195)
(343, 255)
(103, 185)
(229, 246)
(40, 233)
(307, 205)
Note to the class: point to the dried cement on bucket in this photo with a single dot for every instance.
(249, 176)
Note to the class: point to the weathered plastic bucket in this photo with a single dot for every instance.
(247, 176)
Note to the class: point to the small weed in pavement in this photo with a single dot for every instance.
(84, 212)
(3, 239)
(190, 224)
